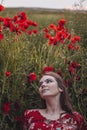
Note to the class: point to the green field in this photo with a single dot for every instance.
(25, 54)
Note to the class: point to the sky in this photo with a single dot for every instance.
(56, 4)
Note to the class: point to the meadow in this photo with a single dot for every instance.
(26, 54)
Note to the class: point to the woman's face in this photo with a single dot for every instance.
(48, 86)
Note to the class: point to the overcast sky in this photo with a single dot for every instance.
(41, 3)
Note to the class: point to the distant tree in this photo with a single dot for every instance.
(78, 4)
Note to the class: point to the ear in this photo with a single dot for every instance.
(60, 90)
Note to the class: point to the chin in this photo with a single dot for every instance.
(45, 96)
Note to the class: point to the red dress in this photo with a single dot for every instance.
(33, 120)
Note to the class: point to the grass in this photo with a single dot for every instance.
(32, 53)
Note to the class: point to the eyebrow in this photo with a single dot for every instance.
(46, 79)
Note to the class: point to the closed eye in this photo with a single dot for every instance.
(48, 80)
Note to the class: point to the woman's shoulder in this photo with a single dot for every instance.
(77, 114)
(81, 120)
(78, 117)
(30, 111)
(32, 114)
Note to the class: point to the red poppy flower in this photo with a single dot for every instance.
(32, 77)
(15, 18)
(62, 22)
(72, 70)
(75, 39)
(1, 19)
(78, 77)
(35, 31)
(29, 32)
(2, 7)
(7, 22)
(72, 46)
(45, 30)
(49, 68)
(22, 15)
(75, 65)
(1, 36)
(6, 108)
(7, 73)
(53, 26)
(59, 72)
(47, 35)
(34, 24)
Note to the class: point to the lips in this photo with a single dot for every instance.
(44, 90)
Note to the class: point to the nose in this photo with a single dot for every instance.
(43, 85)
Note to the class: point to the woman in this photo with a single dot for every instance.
(57, 112)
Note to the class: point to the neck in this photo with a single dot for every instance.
(53, 106)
